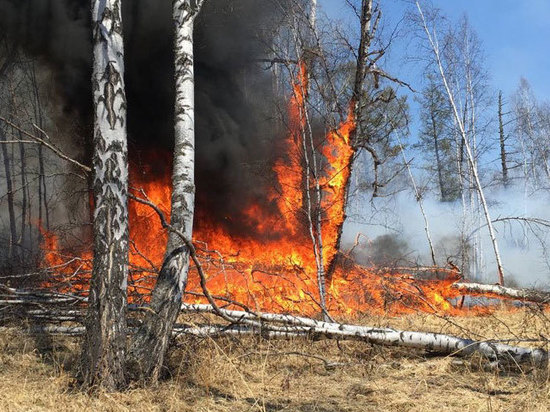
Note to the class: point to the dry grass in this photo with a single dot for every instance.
(251, 374)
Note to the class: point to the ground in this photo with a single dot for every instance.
(257, 375)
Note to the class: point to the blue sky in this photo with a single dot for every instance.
(515, 35)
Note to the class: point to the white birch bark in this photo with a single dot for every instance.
(469, 154)
(105, 341)
(298, 327)
(151, 341)
(528, 295)
(441, 343)
(313, 14)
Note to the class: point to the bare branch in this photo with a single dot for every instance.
(49, 145)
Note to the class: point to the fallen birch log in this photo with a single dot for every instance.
(9, 295)
(444, 344)
(497, 291)
(271, 325)
(495, 352)
(204, 331)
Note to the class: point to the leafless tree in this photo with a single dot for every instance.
(531, 137)
(431, 36)
(502, 142)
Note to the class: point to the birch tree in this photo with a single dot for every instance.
(151, 341)
(462, 129)
(311, 169)
(105, 341)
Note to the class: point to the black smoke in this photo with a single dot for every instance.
(234, 131)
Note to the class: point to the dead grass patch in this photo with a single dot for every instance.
(292, 375)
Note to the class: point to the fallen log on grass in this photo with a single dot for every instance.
(445, 345)
(282, 326)
(271, 325)
(435, 342)
(12, 296)
(499, 292)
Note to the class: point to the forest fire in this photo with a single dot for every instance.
(273, 269)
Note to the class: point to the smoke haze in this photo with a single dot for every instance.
(522, 245)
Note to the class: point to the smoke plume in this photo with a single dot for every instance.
(233, 130)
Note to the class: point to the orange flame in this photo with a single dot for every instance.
(275, 269)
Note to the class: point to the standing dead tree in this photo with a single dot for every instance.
(151, 341)
(502, 142)
(104, 347)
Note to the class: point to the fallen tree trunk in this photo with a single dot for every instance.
(12, 296)
(282, 326)
(444, 344)
(497, 291)
(271, 325)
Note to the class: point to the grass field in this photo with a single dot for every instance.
(257, 375)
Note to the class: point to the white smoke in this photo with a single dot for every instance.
(523, 243)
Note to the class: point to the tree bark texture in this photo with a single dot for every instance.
(104, 346)
(151, 341)
(275, 326)
(436, 342)
(498, 291)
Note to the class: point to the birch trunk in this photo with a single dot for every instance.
(437, 342)
(311, 172)
(498, 291)
(313, 211)
(151, 341)
(104, 346)
(469, 153)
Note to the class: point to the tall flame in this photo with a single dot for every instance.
(290, 171)
(273, 269)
